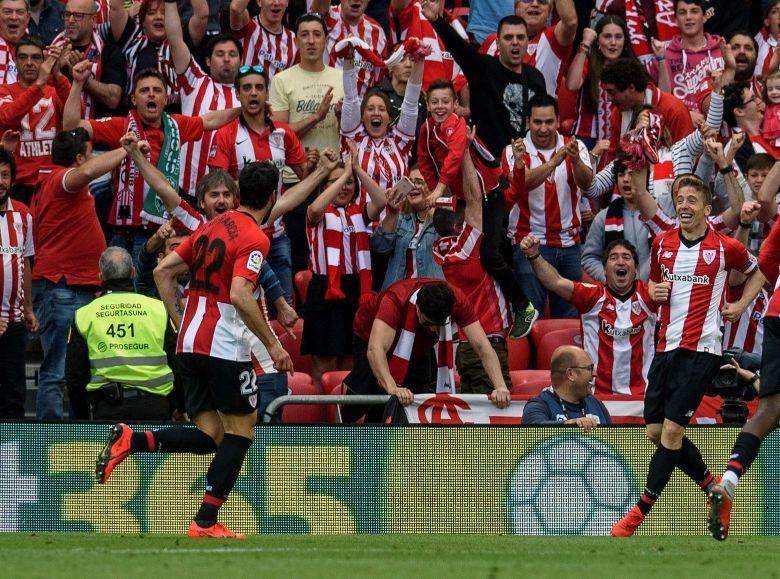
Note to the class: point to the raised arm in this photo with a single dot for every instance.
(472, 192)
(71, 112)
(576, 77)
(81, 176)
(466, 55)
(548, 276)
(180, 53)
(566, 28)
(407, 120)
(239, 15)
(377, 196)
(350, 108)
(766, 195)
(645, 202)
(296, 195)
(117, 17)
(197, 23)
(319, 206)
(153, 177)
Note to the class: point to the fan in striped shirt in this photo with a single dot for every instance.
(14, 16)
(265, 39)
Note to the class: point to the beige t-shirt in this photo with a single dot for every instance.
(299, 92)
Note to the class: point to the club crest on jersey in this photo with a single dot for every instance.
(255, 261)
(253, 400)
(667, 254)
(709, 255)
(636, 308)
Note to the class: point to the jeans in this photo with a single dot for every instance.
(280, 260)
(13, 386)
(103, 193)
(568, 262)
(55, 307)
(272, 386)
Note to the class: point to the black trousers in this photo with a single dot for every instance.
(141, 408)
(13, 388)
(493, 211)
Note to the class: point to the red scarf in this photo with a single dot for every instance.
(399, 360)
(333, 235)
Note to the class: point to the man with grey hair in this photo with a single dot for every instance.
(121, 350)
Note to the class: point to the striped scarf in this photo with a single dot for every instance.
(93, 53)
(333, 235)
(399, 361)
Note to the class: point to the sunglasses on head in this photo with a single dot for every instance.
(243, 70)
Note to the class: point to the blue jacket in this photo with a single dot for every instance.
(547, 409)
(397, 243)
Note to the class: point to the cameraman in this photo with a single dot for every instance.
(744, 376)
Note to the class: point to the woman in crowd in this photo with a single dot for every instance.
(340, 261)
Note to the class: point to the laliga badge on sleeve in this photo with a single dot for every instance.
(255, 261)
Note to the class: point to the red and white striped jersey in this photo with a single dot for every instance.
(748, 334)
(318, 249)
(618, 335)
(187, 217)
(762, 145)
(690, 318)
(199, 95)
(767, 44)
(410, 23)
(545, 54)
(230, 245)
(131, 49)
(235, 145)
(274, 51)
(7, 62)
(769, 261)
(460, 262)
(386, 160)
(16, 245)
(550, 211)
(590, 125)
(368, 30)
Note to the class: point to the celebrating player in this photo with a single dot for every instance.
(688, 272)
(224, 257)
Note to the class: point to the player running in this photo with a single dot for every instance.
(224, 257)
(688, 272)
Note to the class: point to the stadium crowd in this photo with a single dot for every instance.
(526, 155)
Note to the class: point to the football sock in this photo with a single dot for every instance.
(174, 439)
(692, 464)
(659, 472)
(221, 476)
(742, 455)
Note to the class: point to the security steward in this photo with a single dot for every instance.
(121, 350)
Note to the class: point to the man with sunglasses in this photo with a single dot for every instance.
(201, 93)
(403, 345)
(568, 400)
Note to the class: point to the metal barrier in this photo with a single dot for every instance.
(364, 399)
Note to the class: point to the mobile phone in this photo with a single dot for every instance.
(404, 186)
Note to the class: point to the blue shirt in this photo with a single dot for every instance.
(484, 16)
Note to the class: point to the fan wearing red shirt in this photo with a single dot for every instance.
(399, 328)
(33, 106)
(224, 258)
(688, 273)
(162, 131)
(68, 243)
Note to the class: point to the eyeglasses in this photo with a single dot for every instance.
(77, 16)
(589, 368)
(750, 100)
(250, 69)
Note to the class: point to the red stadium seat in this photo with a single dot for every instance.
(332, 383)
(518, 354)
(301, 385)
(530, 388)
(301, 283)
(522, 376)
(542, 327)
(550, 341)
(301, 363)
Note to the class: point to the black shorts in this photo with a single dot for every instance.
(327, 324)
(676, 384)
(216, 384)
(770, 358)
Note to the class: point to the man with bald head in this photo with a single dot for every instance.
(568, 400)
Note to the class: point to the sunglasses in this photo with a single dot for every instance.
(256, 69)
